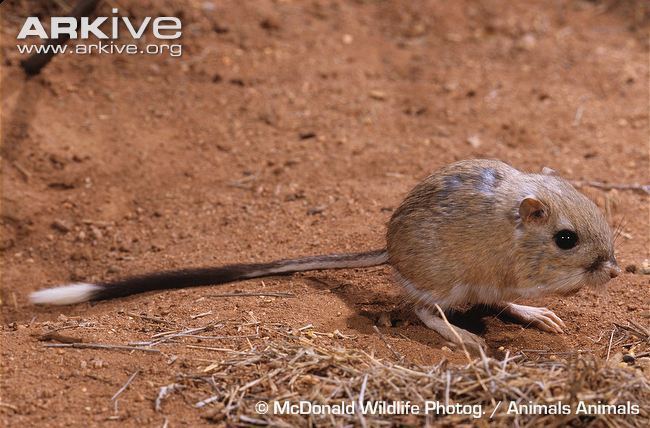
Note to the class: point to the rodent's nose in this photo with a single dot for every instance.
(614, 271)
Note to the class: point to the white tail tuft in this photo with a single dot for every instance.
(66, 295)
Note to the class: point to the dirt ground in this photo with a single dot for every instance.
(294, 128)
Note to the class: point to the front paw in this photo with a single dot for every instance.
(542, 318)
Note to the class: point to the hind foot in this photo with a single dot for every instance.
(472, 342)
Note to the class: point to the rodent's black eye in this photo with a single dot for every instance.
(566, 239)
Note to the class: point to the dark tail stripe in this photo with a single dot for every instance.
(229, 273)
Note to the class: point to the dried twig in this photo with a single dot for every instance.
(254, 294)
(197, 336)
(9, 406)
(99, 346)
(126, 385)
(388, 345)
(253, 421)
(455, 333)
(207, 401)
(211, 348)
(163, 392)
(152, 319)
(642, 188)
(201, 315)
(168, 335)
(26, 175)
(609, 348)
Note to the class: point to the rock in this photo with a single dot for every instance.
(316, 210)
(80, 254)
(629, 74)
(527, 42)
(269, 24)
(645, 267)
(307, 135)
(61, 226)
(95, 232)
(97, 363)
(378, 95)
(629, 359)
(450, 86)
(474, 141)
(208, 6)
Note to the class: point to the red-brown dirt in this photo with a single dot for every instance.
(287, 129)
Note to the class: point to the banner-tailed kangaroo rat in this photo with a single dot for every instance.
(474, 232)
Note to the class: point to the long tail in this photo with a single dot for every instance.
(76, 293)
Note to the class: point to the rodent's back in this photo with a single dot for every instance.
(455, 227)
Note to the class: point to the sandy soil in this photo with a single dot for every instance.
(287, 129)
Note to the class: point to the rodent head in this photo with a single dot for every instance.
(563, 239)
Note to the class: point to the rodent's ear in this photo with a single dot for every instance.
(548, 171)
(532, 210)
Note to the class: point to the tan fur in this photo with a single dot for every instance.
(460, 236)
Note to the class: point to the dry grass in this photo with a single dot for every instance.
(249, 361)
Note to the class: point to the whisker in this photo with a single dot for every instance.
(618, 229)
(568, 282)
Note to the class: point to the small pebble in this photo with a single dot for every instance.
(527, 42)
(645, 267)
(208, 6)
(316, 210)
(628, 359)
(307, 135)
(95, 232)
(61, 226)
(474, 141)
(377, 95)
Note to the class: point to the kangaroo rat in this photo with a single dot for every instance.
(474, 232)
